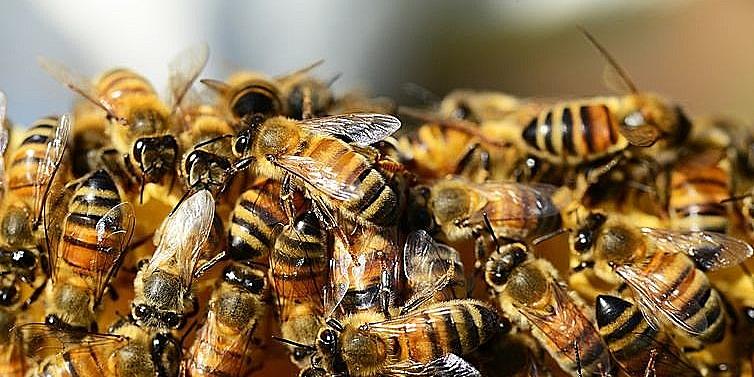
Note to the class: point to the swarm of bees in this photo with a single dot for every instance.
(234, 222)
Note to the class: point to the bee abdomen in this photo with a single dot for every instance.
(252, 224)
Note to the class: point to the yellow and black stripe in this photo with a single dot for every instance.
(513, 219)
(255, 97)
(25, 160)
(119, 84)
(631, 340)
(696, 193)
(574, 132)
(253, 221)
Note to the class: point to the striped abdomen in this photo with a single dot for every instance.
(575, 132)
(379, 203)
(517, 219)
(457, 327)
(695, 198)
(25, 160)
(688, 287)
(631, 340)
(256, 98)
(79, 245)
(439, 151)
(375, 254)
(298, 265)
(253, 221)
(120, 85)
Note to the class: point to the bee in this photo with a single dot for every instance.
(479, 106)
(359, 102)
(12, 360)
(68, 353)
(163, 290)
(90, 137)
(247, 93)
(634, 343)
(312, 154)
(573, 132)
(141, 126)
(425, 261)
(364, 274)
(509, 210)
(531, 294)
(421, 341)
(146, 353)
(664, 269)
(699, 185)
(89, 227)
(304, 95)
(298, 271)
(229, 343)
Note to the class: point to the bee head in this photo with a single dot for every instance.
(252, 280)
(206, 170)
(243, 141)
(501, 264)
(618, 243)
(449, 201)
(652, 118)
(155, 156)
(582, 240)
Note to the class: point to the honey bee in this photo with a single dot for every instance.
(68, 353)
(634, 343)
(298, 271)
(90, 137)
(478, 106)
(509, 210)
(304, 95)
(312, 155)
(141, 126)
(89, 227)
(531, 294)
(664, 270)
(585, 130)
(364, 273)
(359, 102)
(698, 187)
(367, 344)
(247, 93)
(425, 261)
(146, 353)
(163, 291)
(229, 343)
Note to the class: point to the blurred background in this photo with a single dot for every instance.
(698, 52)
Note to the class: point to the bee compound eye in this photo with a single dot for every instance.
(24, 258)
(582, 241)
(171, 320)
(142, 312)
(8, 295)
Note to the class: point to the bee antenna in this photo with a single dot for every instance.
(610, 59)
(735, 198)
(547, 236)
(335, 324)
(333, 79)
(293, 343)
(488, 225)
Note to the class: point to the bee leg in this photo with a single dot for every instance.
(286, 199)
(650, 370)
(306, 103)
(578, 358)
(385, 294)
(34, 296)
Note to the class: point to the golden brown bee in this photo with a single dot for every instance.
(425, 261)
(298, 271)
(163, 289)
(247, 93)
(664, 270)
(304, 95)
(147, 352)
(364, 272)
(142, 128)
(635, 344)
(510, 210)
(530, 292)
(229, 342)
(89, 227)
(698, 186)
(313, 154)
(422, 341)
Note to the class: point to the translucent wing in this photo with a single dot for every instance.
(54, 212)
(42, 341)
(522, 201)
(360, 129)
(184, 235)
(319, 176)
(300, 71)
(3, 139)
(637, 132)
(183, 71)
(449, 365)
(340, 266)
(53, 157)
(114, 231)
(668, 359)
(234, 352)
(75, 82)
(429, 267)
(709, 250)
(565, 326)
(655, 295)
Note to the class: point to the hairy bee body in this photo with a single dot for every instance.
(697, 188)
(229, 343)
(251, 233)
(632, 340)
(25, 160)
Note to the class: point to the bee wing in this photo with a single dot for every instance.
(643, 135)
(709, 250)
(340, 267)
(319, 175)
(53, 214)
(76, 83)
(449, 365)
(565, 326)
(422, 259)
(668, 358)
(361, 129)
(650, 290)
(49, 166)
(238, 344)
(185, 234)
(536, 198)
(42, 341)
(114, 231)
(3, 139)
(184, 70)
